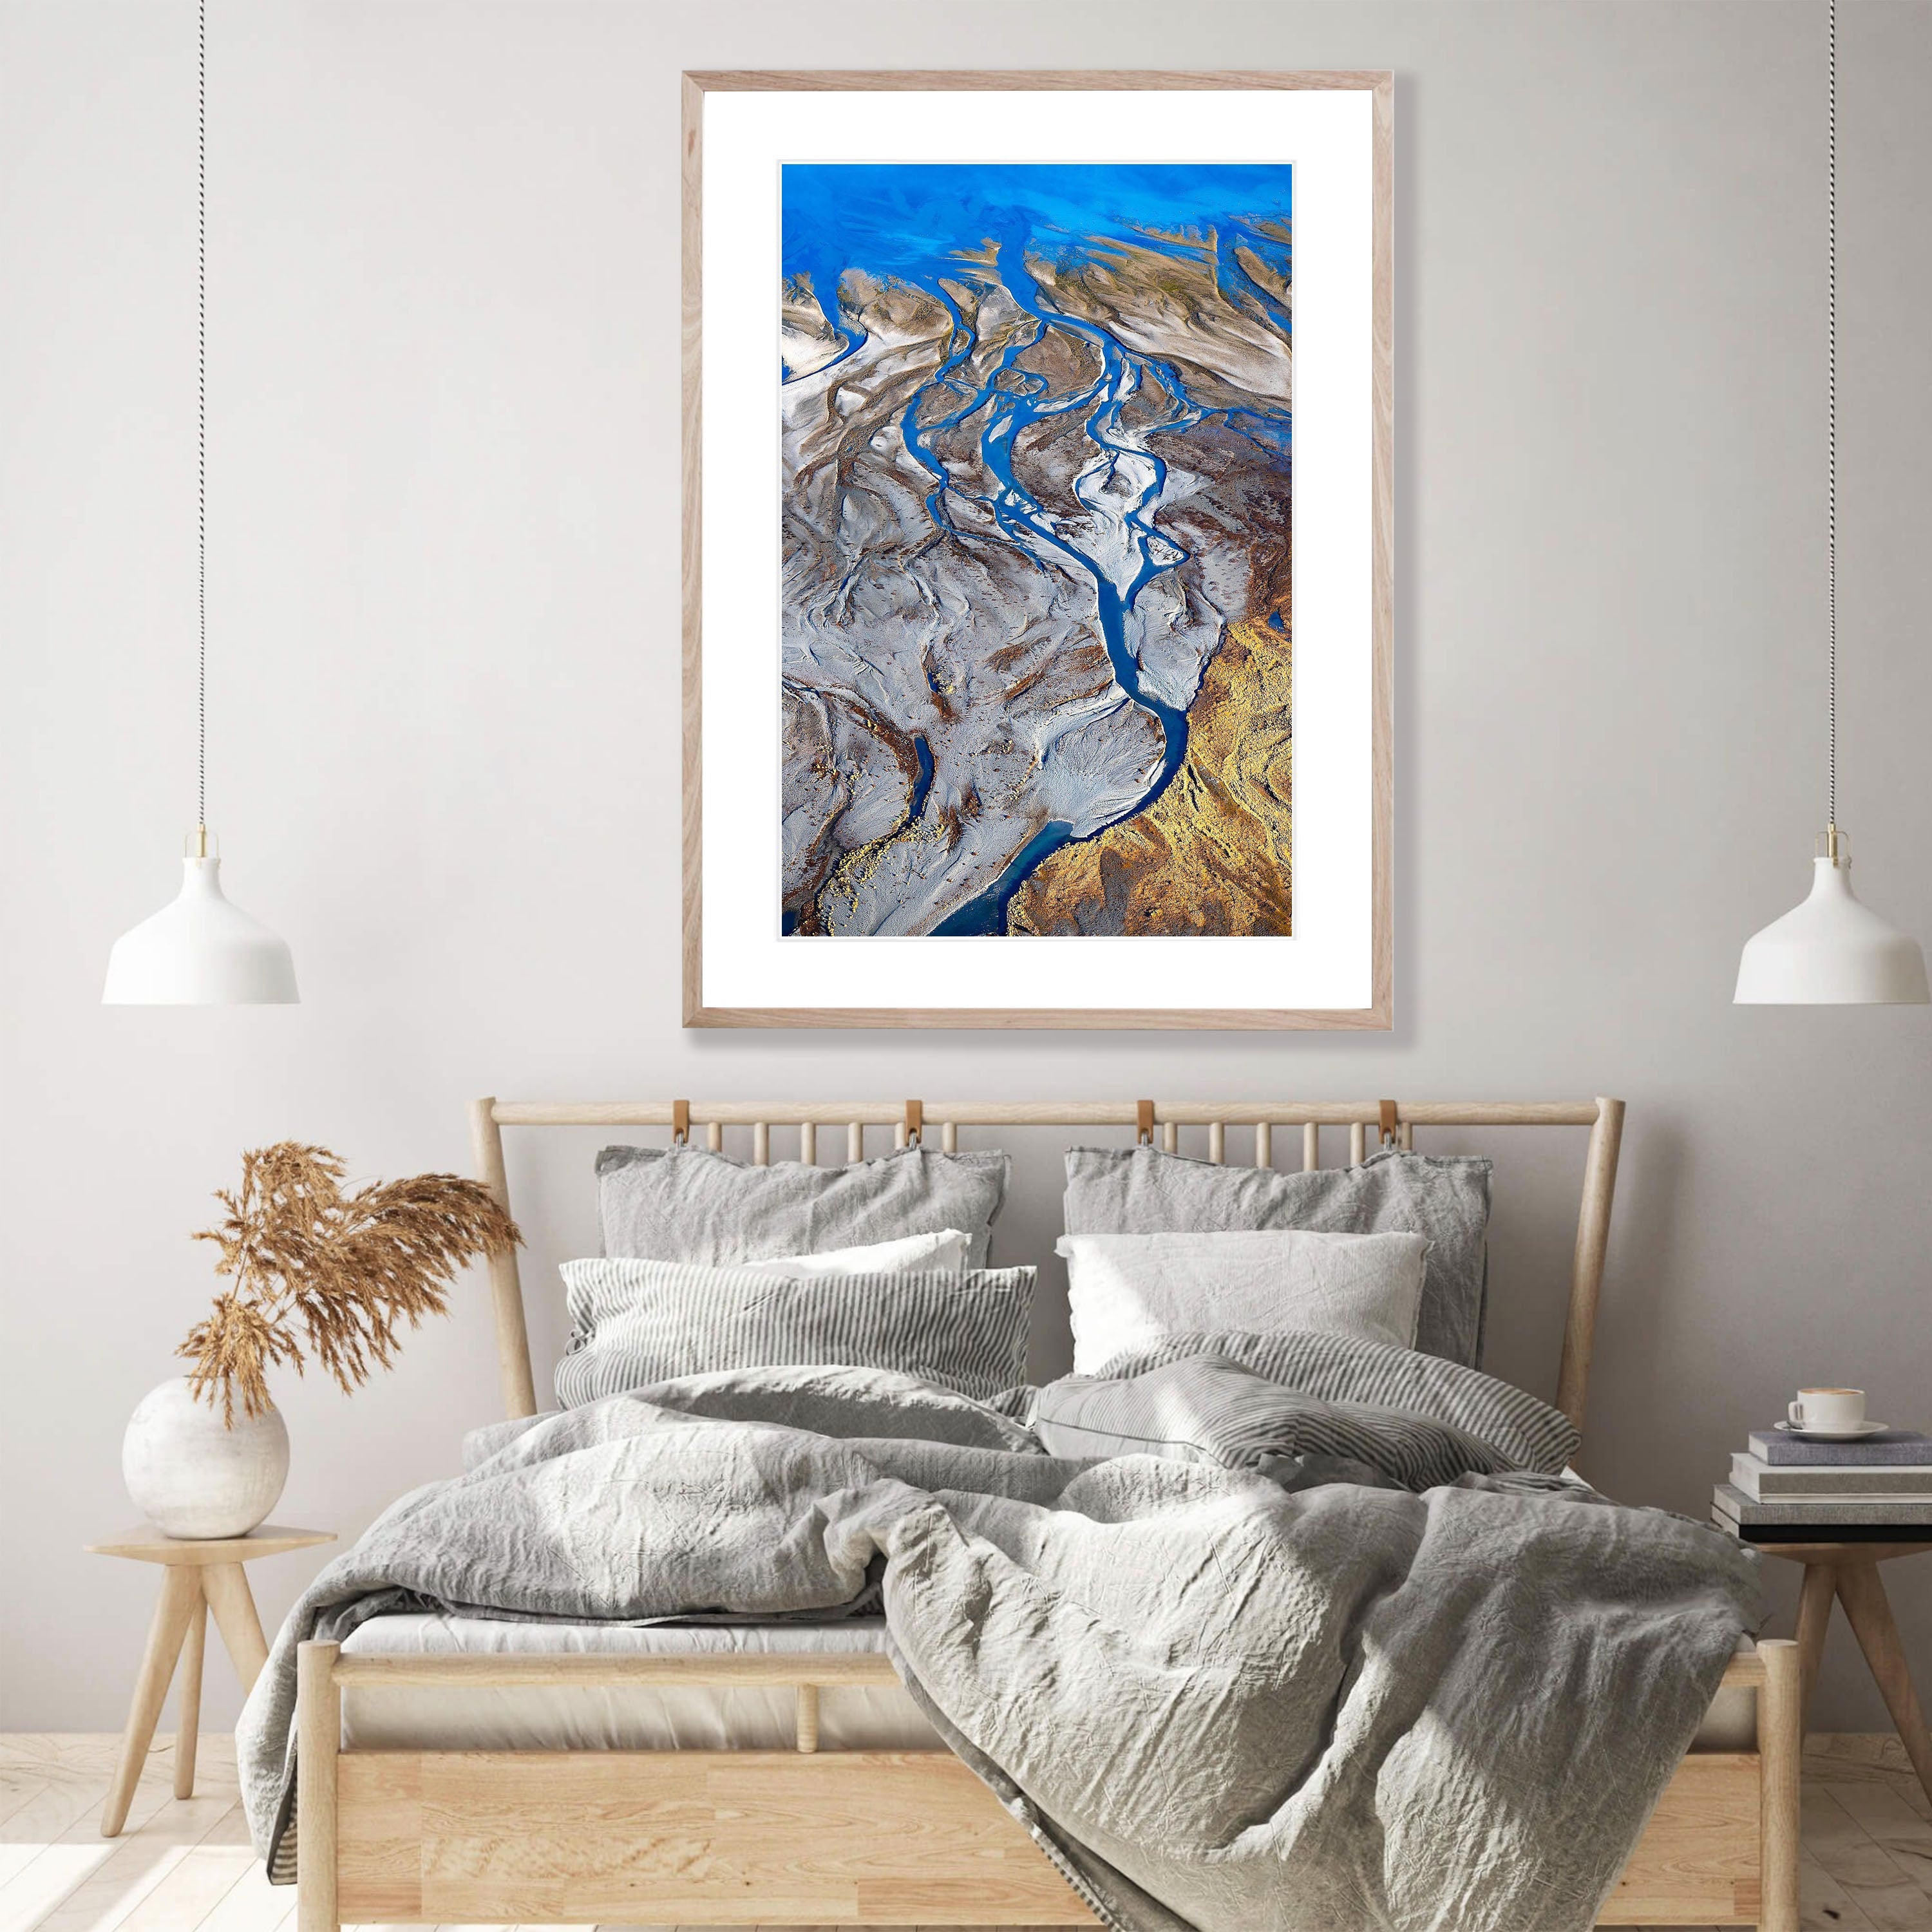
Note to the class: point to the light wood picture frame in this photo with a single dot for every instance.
(1192, 968)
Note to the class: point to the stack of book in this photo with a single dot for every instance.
(1785, 1489)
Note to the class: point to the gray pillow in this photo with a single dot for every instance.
(1143, 1191)
(1209, 1408)
(1371, 1387)
(634, 1323)
(686, 1204)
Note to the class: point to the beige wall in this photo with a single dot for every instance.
(442, 599)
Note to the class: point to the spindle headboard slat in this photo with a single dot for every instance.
(908, 1119)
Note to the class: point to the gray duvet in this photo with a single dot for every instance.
(1217, 1699)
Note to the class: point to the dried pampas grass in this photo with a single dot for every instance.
(338, 1272)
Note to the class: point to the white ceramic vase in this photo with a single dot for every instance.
(190, 1476)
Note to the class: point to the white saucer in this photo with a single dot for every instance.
(1854, 1435)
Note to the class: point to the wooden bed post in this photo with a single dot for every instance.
(506, 1286)
(318, 1738)
(1780, 1746)
(1586, 1274)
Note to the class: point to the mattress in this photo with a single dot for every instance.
(632, 1717)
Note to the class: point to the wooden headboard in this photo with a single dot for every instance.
(1393, 1122)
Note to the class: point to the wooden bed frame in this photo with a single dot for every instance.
(749, 1837)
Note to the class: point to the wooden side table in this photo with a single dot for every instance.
(1847, 1572)
(198, 1577)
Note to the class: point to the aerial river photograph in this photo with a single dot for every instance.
(1036, 618)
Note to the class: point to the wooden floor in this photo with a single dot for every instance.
(184, 1865)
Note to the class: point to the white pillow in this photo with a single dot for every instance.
(1128, 1290)
(943, 1253)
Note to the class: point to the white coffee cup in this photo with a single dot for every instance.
(1830, 1411)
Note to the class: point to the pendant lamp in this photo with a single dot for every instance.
(200, 950)
(1830, 950)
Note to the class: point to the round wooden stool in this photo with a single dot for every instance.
(199, 1577)
(1847, 1572)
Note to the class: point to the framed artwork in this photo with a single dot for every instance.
(1037, 543)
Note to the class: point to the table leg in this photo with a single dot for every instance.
(1814, 1618)
(180, 1596)
(187, 1698)
(1862, 1593)
(227, 1587)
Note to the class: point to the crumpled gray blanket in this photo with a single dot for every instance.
(1215, 1701)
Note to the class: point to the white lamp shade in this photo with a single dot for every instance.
(1830, 951)
(200, 951)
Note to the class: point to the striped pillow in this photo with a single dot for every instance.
(636, 1322)
(1206, 1408)
(1525, 1432)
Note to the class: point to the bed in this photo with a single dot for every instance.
(457, 1770)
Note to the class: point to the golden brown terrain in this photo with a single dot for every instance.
(1211, 854)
